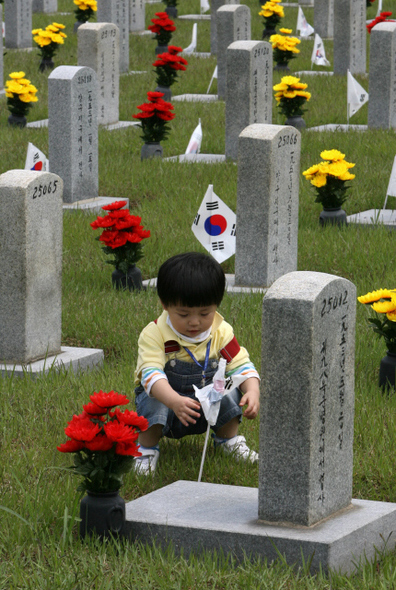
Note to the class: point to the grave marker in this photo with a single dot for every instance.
(324, 18)
(215, 5)
(30, 265)
(18, 23)
(349, 36)
(45, 6)
(73, 130)
(233, 24)
(1, 51)
(117, 12)
(382, 76)
(249, 89)
(137, 15)
(267, 204)
(98, 48)
(306, 427)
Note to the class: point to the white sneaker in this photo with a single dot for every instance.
(237, 447)
(147, 463)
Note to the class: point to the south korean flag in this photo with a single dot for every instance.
(214, 226)
(35, 159)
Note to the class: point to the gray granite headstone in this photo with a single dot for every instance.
(349, 36)
(99, 49)
(324, 18)
(117, 12)
(1, 51)
(137, 15)
(382, 76)
(267, 204)
(306, 419)
(45, 5)
(214, 6)
(18, 23)
(30, 265)
(73, 130)
(233, 24)
(249, 89)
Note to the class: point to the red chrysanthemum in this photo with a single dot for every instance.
(126, 448)
(82, 429)
(120, 432)
(71, 446)
(100, 443)
(114, 206)
(132, 419)
(108, 400)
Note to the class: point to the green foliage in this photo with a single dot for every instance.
(385, 329)
(333, 194)
(104, 473)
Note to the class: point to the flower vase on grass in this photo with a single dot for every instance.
(122, 235)
(103, 440)
(162, 27)
(284, 49)
(21, 94)
(272, 13)
(291, 96)
(167, 66)
(84, 11)
(154, 118)
(330, 177)
(48, 40)
(383, 302)
(171, 8)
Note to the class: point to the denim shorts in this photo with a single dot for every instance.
(182, 375)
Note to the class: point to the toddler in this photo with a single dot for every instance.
(181, 349)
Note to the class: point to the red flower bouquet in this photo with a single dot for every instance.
(104, 442)
(168, 64)
(162, 28)
(154, 117)
(122, 235)
(384, 16)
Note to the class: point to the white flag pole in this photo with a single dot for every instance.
(211, 80)
(204, 453)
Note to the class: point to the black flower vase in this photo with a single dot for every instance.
(166, 91)
(282, 67)
(387, 371)
(171, 11)
(151, 149)
(17, 120)
(132, 280)
(268, 33)
(77, 24)
(102, 514)
(161, 49)
(333, 216)
(46, 64)
(296, 121)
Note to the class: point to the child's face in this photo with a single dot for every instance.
(191, 321)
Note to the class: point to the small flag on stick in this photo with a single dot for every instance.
(318, 54)
(214, 226)
(193, 45)
(205, 6)
(35, 159)
(391, 191)
(211, 80)
(356, 95)
(194, 145)
(302, 26)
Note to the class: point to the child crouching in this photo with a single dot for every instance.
(181, 349)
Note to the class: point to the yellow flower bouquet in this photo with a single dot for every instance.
(85, 10)
(48, 40)
(329, 177)
(284, 48)
(272, 13)
(21, 94)
(291, 96)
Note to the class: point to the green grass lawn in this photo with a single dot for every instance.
(39, 546)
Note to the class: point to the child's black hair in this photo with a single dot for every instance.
(191, 279)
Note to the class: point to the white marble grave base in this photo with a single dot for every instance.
(110, 127)
(197, 158)
(313, 73)
(386, 217)
(41, 123)
(195, 98)
(230, 286)
(203, 516)
(140, 32)
(93, 205)
(335, 127)
(76, 359)
(132, 72)
(201, 54)
(194, 17)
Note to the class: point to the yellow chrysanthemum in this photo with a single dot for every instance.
(290, 80)
(384, 306)
(319, 180)
(332, 155)
(373, 296)
(17, 75)
(300, 86)
(290, 94)
(311, 171)
(59, 26)
(306, 95)
(14, 87)
(280, 87)
(347, 176)
(285, 31)
(28, 98)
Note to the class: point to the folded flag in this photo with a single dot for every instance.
(318, 54)
(35, 159)
(194, 145)
(303, 27)
(356, 95)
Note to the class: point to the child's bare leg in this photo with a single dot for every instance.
(151, 436)
(229, 430)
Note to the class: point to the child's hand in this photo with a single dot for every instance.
(186, 409)
(251, 398)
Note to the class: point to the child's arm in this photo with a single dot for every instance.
(185, 408)
(251, 390)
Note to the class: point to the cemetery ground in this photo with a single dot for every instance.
(39, 546)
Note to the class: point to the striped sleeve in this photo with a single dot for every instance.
(246, 370)
(151, 375)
